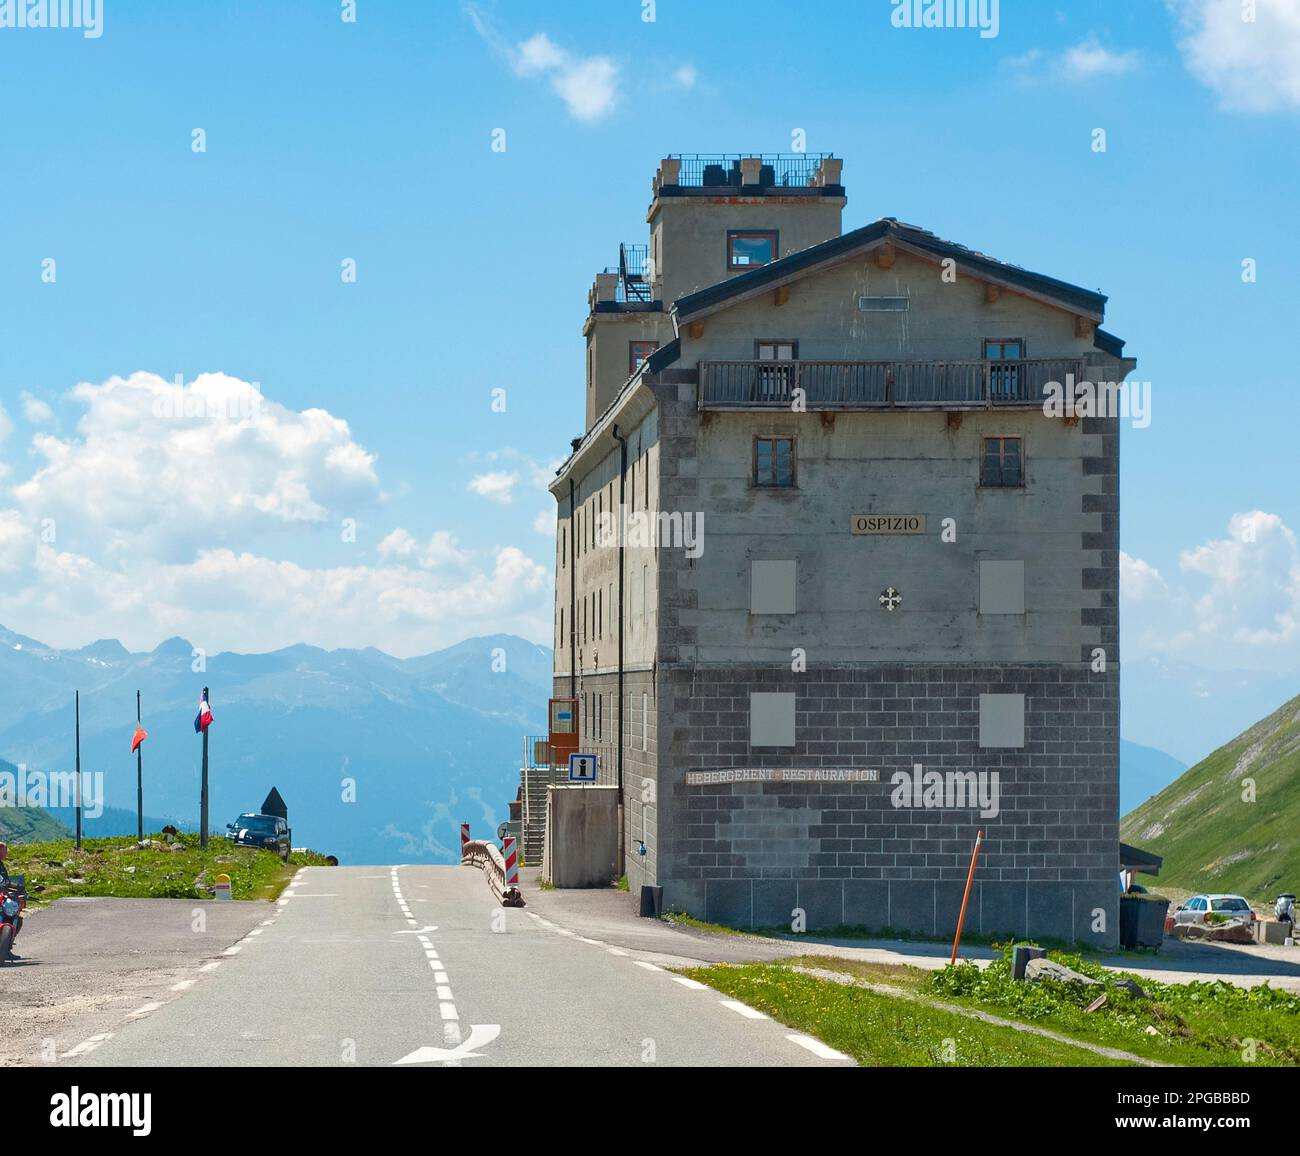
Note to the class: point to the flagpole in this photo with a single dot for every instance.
(78, 713)
(203, 799)
(139, 777)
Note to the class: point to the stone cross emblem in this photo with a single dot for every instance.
(890, 599)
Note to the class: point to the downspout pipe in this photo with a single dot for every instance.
(621, 859)
(573, 597)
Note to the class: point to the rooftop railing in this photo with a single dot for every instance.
(777, 170)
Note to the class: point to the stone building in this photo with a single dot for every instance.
(862, 598)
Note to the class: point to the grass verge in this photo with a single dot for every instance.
(884, 1031)
(118, 867)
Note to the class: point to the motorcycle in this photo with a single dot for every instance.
(13, 898)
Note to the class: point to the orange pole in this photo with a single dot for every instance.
(970, 878)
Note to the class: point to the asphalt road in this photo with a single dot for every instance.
(86, 964)
(421, 965)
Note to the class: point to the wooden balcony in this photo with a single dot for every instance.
(866, 385)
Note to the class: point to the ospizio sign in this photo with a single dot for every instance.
(887, 523)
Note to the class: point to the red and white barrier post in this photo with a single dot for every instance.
(511, 855)
(464, 839)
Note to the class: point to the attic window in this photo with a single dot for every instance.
(746, 250)
(638, 351)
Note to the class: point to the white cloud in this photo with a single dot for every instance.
(539, 54)
(1251, 65)
(1235, 604)
(440, 551)
(1082, 62)
(165, 513)
(498, 486)
(17, 541)
(588, 85)
(686, 76)
(1139, 580)
(1091, 59)
(6, 424)
(1254, 582)
(35, 410)
(164, 469)
(544, 523)
(228, 600)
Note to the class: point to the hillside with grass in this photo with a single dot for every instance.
(25, 824)
(1231, 822)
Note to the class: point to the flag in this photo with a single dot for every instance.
(203, 719)
(140, 735)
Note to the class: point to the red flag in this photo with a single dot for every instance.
(140, 735)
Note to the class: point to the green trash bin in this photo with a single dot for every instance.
(1142, 920)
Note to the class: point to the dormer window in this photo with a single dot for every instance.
(747, 249)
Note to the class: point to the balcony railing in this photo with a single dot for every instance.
(881, 384)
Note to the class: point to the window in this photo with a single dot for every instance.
(564, 547)
(600, 617)
(637, 352)
(746, 250)
(561, 627)
(776, 350)
(1004, 373)
(1002, 463)
(774, 462)
(999, 350)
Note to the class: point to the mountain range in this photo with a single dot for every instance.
(379, 759)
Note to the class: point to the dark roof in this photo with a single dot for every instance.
(1108, 343)
(664, 356)
(888, 228)
(1144, 861)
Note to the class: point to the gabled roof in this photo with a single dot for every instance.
(906, 237)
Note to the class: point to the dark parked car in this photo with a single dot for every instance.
(269, 832)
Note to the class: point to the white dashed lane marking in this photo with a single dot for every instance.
(446, 1002)
(808, 1043)
(88, 1045)
(824, 1051)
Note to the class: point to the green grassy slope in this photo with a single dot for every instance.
(26, 824)
(1212, 837)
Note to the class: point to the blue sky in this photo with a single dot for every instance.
(328, 140)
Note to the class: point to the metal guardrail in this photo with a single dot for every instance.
(881, 384)
(488, 858)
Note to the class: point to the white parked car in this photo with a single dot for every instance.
(1199, 908)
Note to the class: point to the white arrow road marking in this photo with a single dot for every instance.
(480, 1035)
(416, 930)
